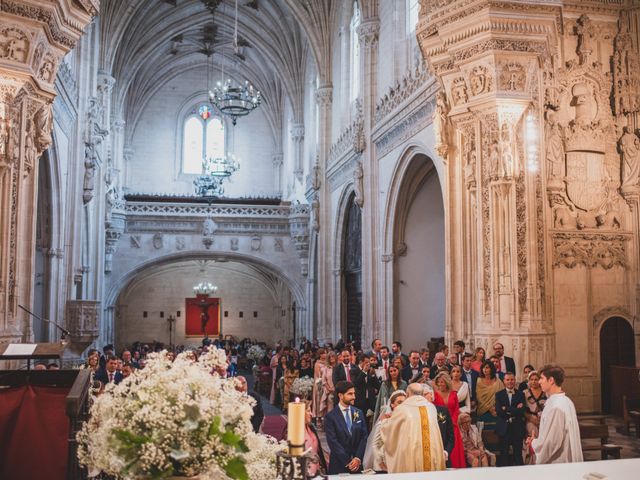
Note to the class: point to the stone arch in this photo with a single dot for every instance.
(416, 165)
(339, 325)
(128, 277)
(619, 318)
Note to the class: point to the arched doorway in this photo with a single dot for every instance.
(42, 274)
(616, 348)
(419, 269)
(352, 272)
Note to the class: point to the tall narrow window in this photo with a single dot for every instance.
(413, 8)
(355, 54)
(203, 136)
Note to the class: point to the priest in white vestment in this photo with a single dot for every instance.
(559, 436)
(411, 437)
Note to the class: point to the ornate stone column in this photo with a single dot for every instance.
(491, 84)
(297, 136)
(328, 327)
(366, 177)
(34, 37)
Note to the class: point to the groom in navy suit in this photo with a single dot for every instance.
(346, 429)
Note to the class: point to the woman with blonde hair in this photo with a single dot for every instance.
(320, 365)
(474, 451)
(478, 359)
(445, 396)
(328, 388)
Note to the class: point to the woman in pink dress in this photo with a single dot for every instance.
(321, 362)
(445, 396)
(326, 402)
(275, 360)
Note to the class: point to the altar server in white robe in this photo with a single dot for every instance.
(559, 437)
(411, 436)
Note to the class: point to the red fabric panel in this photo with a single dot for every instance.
(34, 431)
(193, 318)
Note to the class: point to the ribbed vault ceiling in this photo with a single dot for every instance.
(146, 43)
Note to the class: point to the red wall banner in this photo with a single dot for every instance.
(202, 312)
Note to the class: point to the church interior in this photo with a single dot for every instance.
(414, 170)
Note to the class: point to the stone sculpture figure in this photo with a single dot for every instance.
(315, 209)
(630, 149)
(358, 186)
(441, 123)
(555, 150)
(89, 173)
(581, 102)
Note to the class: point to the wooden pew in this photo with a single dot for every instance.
(631, 414)
(601, 432)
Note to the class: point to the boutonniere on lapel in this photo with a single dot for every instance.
(356, 416)
(441, 417)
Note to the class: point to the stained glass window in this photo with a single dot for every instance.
(203, 136)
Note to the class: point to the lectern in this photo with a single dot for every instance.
(42, 351)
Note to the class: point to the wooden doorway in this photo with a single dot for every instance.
(352, 272)
(616, 348)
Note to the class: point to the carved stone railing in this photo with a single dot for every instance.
(201, 210)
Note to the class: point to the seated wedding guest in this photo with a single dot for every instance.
(535, 399)
(93, 361)
(452, 360)
(525, 377)
(399, 363)
(474, 451)
(445, 396)
(510, 407)
(328, 388)
(305, 368)
(461, 388)
(478, 359)
(346, 432)
(394, 382)
(127, 358)
(486, 388)
(374, 452)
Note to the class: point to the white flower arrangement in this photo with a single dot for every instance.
(256, 353)
(302, 386)
(176, 418)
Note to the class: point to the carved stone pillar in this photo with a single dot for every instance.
(34, 37)
(276, 161)
(326, 324)
(490, 85)
(366, 179)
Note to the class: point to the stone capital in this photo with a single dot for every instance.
(368, 33)
(324, 95)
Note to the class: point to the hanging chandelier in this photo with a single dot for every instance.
(204, 289)
(215, 171)
(234, 100)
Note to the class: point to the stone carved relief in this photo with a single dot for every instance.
(402, 91)
(441, 124)
(480, 80)
(135, 241)
(513, 77)
(358, 184)
(30, 152)
(629, 145)
(180, 243)
(43, 122)
(587, 38)
(47, 69)
(158, 241)
(459, 91)
(14, 44)
(256, 244)
(554, 156)
(315, 213)
(604, 251)
(626, 65)
(316, 179)
(233, 244)
(90, 166)
(469, 155)
(521, 242)
(209, 228)
(278, 246)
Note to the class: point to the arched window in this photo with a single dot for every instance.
(354, 88)
(203, 136)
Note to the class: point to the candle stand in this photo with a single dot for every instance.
(294, 467)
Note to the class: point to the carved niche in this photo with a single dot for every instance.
(14, 44)
(513, 77)
(592, 250)
(480, 80)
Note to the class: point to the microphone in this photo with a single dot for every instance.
(65, 332)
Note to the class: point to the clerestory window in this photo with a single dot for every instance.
(203, 137)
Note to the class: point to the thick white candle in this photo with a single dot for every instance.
(295, 427)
